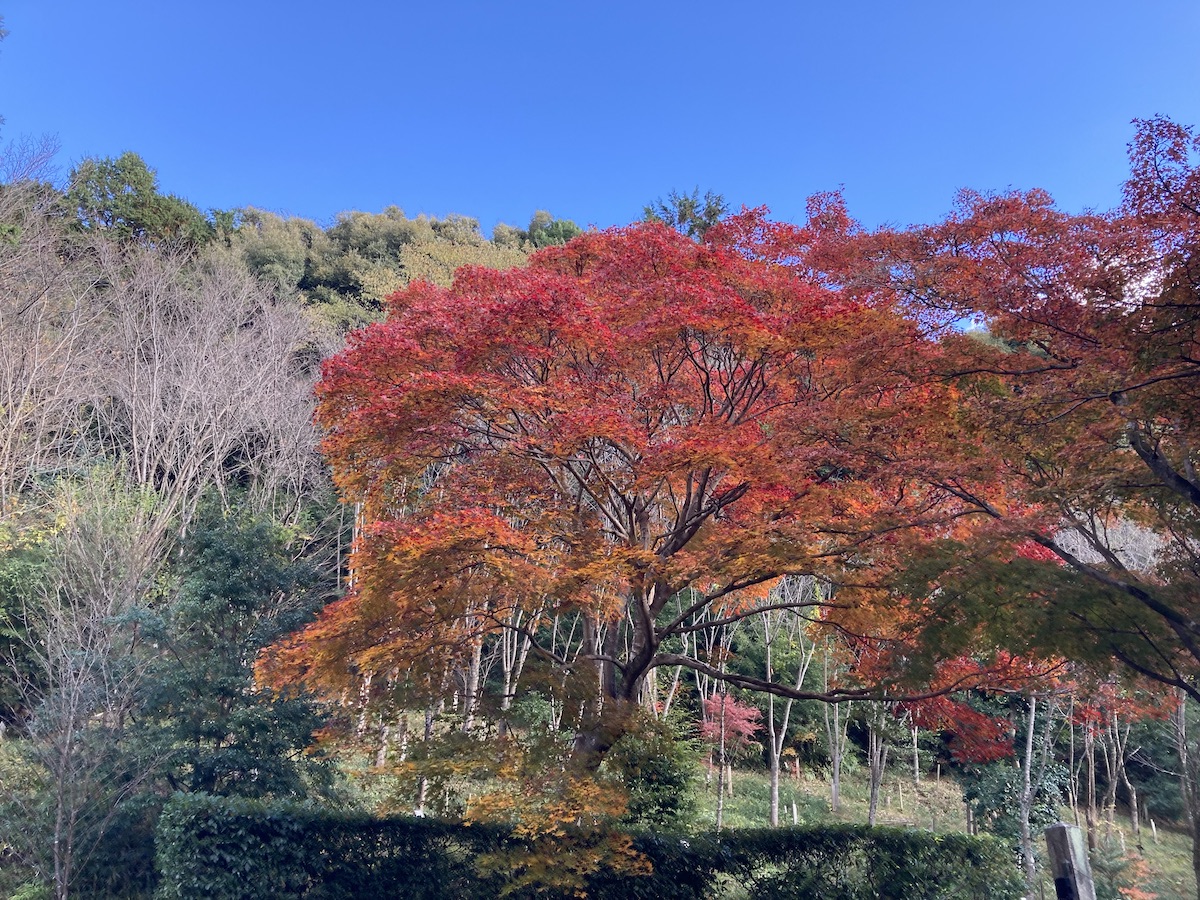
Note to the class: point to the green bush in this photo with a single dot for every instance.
(847, 862)
(121, 865)
(231, 849)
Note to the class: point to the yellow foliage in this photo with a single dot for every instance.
(565, 820)
(437, 261)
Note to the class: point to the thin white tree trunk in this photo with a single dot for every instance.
(877, 752)
(721, 763)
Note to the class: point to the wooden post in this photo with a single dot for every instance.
(1069, 863)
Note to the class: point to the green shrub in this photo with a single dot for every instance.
(229, 849)
(232, 849)
(121, 865)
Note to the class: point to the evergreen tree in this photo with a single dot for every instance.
(237, 590)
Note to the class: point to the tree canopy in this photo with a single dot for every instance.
(638, 428)
(120, 196)
(688, 214)
(1083, 397)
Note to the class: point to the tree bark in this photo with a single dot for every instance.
(877, 752)
(1089, 753)
(1028, 787)
(1189, 780)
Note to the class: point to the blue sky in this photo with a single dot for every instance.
(590, 110)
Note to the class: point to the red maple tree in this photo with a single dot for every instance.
(730, 722)
(1082, 395)
(635, 428)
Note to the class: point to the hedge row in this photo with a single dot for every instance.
(240, 850)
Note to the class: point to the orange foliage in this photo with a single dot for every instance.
(635, 418)
(566, 820)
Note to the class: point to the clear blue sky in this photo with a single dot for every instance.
(590, 110)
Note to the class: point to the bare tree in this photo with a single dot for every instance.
(188, 373)
(200, 378)
(837, 721)
(88, 669)
(1035, 761)
(1189, 763)
(46, 320)
(28, 160)
(879, 716)
(132, 383)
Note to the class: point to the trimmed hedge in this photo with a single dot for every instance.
(234, 849)
(227, 849)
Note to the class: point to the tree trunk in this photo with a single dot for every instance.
(515, 643)
(774, 735)
(672, 693)
(471, 684)
(384, 740)
(62, 849)
(1189, 781)
(774, 811)
(1031, 783)
(1135, 821)
(1089, 753)
(721, 764)
(1120, 738)
(835, 731)
(835, 735)
(877, 760)
(1111, 753)
(916, 757)
(774, 624)
(1072, 769)
(1028, 787)
(423, 782)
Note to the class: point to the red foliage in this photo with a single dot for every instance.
(632, 416)
(977, 737)
(1097, 705)
(1081, 396)
(1029, 549)
(741, 720)
(974, 737)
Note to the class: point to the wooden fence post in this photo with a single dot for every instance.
(1069, 863)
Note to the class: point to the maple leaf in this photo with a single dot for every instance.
(637, 429)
